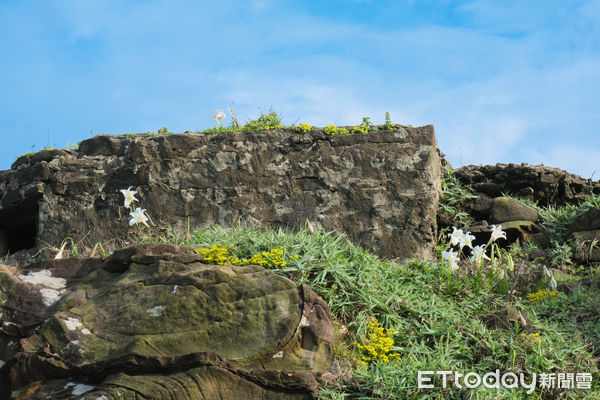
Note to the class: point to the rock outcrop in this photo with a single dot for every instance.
(545, 185)
(505, 209)
(380, 189)
(584, 231)
(155, 321)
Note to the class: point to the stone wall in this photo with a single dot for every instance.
(544, 185)
(381, 189)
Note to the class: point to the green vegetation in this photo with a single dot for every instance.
(555, 219)
(334, 130)
(437, 319)
(43, 148)
(161, 131)
(225, 255)
(365, 127)
(552, 219)
(265, 122)
(304, 128)
(272, 120)
(454, 194)
(26, 154)
(366, 121)
(388, 122)
(164, 131)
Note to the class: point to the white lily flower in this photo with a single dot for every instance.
(452, 257)
(547, 271)
(497, 233)
(455, 236)
(138, 216)
(466, 240)
(478, 254)
(129, 196)
(219, 116)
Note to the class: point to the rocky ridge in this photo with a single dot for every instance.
(545, 186)
(380, 189)
(542, 184)
(157, 321)
(151, 317)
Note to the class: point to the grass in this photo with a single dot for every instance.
(442, 318)
(438, 319)
(454, 194)
(555, 219)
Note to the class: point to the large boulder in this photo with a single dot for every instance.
(522, 231)
(380, 189)
(505, 209)
(479, 206)
(151, 317)
(584, 231)
(587, 221)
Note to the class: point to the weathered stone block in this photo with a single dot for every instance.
(588, 221)
(380, 189)
(505, 209)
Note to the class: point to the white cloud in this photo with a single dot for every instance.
(576, 158)
(547, 108)
(303, 99)
(515, 76)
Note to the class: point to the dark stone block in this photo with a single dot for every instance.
(380, 189)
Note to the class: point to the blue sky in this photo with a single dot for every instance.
(501, 81)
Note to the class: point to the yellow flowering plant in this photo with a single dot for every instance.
(334, 130)
(531, 338)
(223, 255)
(304, 128)
(541, 295)
(378, 343)
(360, 129)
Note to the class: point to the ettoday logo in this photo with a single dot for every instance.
(495, 380)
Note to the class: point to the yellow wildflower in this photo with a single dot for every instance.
(304, 127)
(360, 129)
(378, 344)
(531, 338)
(222, 255)
(541, 295)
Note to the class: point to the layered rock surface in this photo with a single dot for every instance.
(155, 319)
(545, 185)
(381, 189)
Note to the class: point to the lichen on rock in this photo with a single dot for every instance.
(222, 325)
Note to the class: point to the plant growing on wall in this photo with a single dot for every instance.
(138, 215)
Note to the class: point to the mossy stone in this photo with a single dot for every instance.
(505, 209)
